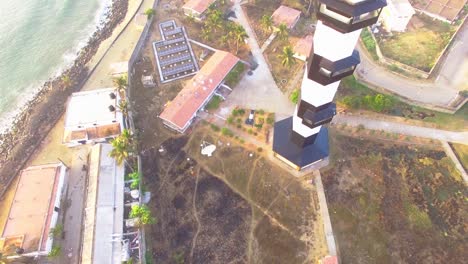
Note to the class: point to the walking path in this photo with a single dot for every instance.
(325, 216)
(268, 41)
(401, 128)
(452, 78)
(259, 90)
(449, 151)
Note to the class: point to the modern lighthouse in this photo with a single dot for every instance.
(301, 140)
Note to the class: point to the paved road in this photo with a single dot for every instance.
(258, 91)
(452, 78)
(401, 128)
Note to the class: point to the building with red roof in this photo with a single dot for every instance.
(303, 47)
(197, 8)
(286, 15)
(179, 113)
(34, 211)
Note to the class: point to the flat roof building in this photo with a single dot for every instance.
(92, 116)
(286, 15)
(197, 8)
(396, 15)
(104, 213)
(303, 47)
(34, 210)
(180, 112)
(446, 10)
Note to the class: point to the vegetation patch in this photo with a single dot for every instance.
(213, 104)
(418, 47)
(394, 203)
(355, 95)
(462, 153)
(233, 78)
(369, 43)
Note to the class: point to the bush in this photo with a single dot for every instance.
(235, 112)
(259, 149)
(233, 78)
(143, 213)
(369, 43)
(259, 126)
(241, 111)
(55, 251)
(261, 120)
(239, 126)
(250, 131)
(230, 120)
(227, 132)
(261, 112)
(270, 120)
(57, 231)
(214, 103)
(239, 120)
(215, 128)
(294, 97)
(149, 12)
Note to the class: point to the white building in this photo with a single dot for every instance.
(92, 117)
(396, 15)
(34, 211)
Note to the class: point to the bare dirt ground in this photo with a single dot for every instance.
(395, 203)
(229, 208)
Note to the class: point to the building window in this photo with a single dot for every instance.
(366, 16)
(325, 72)
(332, 14)
(339, 72)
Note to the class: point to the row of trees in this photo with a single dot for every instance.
(215, 23)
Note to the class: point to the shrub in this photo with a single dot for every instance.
(239, 126)
(143, 213)
(57, 231)
(369, 43)
(270, 120)
(230, 120)
(259, 149)
(255, 134)
(242, 141)
(250, 131)
(239, 120)
(214, 103)
(261, 120)
(233, 78)
(258, 126)
(294, 97)
(235, 112)
(241, 111)
(261, 112)
(227, 132)
(55, 251)
(215, 127)
(149, 12)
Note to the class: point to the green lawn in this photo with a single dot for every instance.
(420, 47)
(213, 104)
(462, 153)
(351, 91)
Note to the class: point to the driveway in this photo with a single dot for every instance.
(258, 91)
(452, 78)
(401, 128)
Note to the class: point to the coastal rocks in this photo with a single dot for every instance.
(42, 112)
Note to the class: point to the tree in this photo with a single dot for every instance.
(239, 35)
(67, 82)
(214, 20)
(206, 34)
(150, 12)
(123, 107)
(143, 213)
(287, 57)
(121, 83)
(267, 22)
(283, 31)
(55, 252)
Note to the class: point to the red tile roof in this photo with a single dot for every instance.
(330, 260)
(286, 15)
(198, 5)
(304, 45)
(197, 91)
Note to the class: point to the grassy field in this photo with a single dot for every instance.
(392, 203)
(462, 153)
(418, 47)
(351, 88)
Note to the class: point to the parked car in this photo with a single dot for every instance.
(250, 119)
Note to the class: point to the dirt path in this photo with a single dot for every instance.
(400, 128)
(195, 214)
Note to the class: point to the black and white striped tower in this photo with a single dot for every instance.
(301, 140)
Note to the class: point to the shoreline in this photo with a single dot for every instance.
(38, 115)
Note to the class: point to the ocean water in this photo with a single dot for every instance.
(38, 39)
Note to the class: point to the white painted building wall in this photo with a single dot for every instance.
(396, 15)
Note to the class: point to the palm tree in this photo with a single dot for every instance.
(123, 107)
(206, 34)
(287, 57)
(120, 150)
(239, 35)
(121, 83)
(267, 22)
(214, 20)
(225, 39)
(67, 82)
(283, 31)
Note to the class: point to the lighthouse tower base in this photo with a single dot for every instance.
(314, 155)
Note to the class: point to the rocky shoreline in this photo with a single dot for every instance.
(42, 112)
